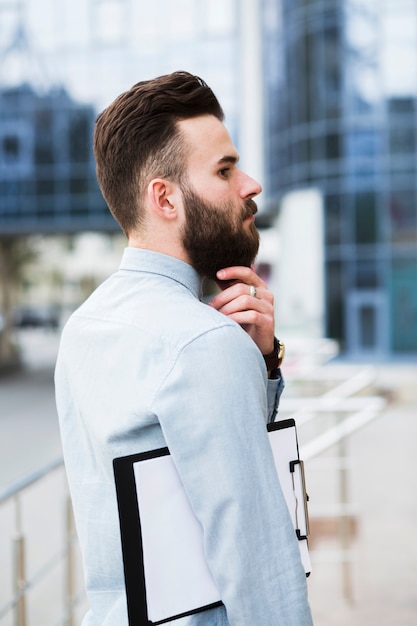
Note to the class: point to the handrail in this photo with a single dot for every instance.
(353, 421)
(30, 479)
(17, 603)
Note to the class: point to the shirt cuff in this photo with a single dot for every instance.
(274, 390)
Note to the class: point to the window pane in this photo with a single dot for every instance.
(365, 218)
(404, 305)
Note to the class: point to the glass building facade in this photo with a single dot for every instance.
(334, 83)
(343, 119)
(58, 72)
(47, 170)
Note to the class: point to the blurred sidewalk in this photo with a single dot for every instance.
(381, 578)
(382, 483)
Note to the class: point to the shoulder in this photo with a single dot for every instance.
(222, 347)
(201, 324)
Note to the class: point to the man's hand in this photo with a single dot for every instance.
(246, 299)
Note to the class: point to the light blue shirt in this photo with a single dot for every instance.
(143, 363)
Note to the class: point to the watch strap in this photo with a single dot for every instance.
(274, 359)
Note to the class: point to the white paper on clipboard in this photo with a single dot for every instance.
(176, 574)
(177, 578)
(285, 452)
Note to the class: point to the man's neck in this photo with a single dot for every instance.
(160, 245)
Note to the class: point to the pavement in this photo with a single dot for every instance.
(29, 434)
(365, 577)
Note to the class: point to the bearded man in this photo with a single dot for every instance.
(145, 364)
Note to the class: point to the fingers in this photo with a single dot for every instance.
(229, 275)
(244, 292)
(240, 297)
(249, 283)
(247, 300)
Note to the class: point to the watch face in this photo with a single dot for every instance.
(281, 351)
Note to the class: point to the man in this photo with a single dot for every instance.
(144, 363)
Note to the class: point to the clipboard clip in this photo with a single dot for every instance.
(300, 463)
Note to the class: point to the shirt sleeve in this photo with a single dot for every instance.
(212, 407)
(274, 391)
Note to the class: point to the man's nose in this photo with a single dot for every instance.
(249, 187)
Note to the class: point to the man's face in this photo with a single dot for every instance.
(218, 230)
(218, 235)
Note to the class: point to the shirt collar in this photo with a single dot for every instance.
(139, 260)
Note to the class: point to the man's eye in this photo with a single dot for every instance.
(224, 172)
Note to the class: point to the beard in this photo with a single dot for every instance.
(215, 236)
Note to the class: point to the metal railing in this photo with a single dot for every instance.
(347, 407)
(340, 399)
(65, 557)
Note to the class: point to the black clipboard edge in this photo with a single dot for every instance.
(200, 609)
(131, 538)
(279, 425)
(131, 534)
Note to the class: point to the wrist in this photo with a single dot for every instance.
(274, 359)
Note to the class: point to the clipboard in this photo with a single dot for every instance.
(166, 575)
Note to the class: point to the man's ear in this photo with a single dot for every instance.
(163, 198)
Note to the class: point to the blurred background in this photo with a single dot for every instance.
(320, 98)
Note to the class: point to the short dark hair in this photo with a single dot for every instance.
(137, 138)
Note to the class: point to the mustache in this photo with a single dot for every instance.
(249, 209)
